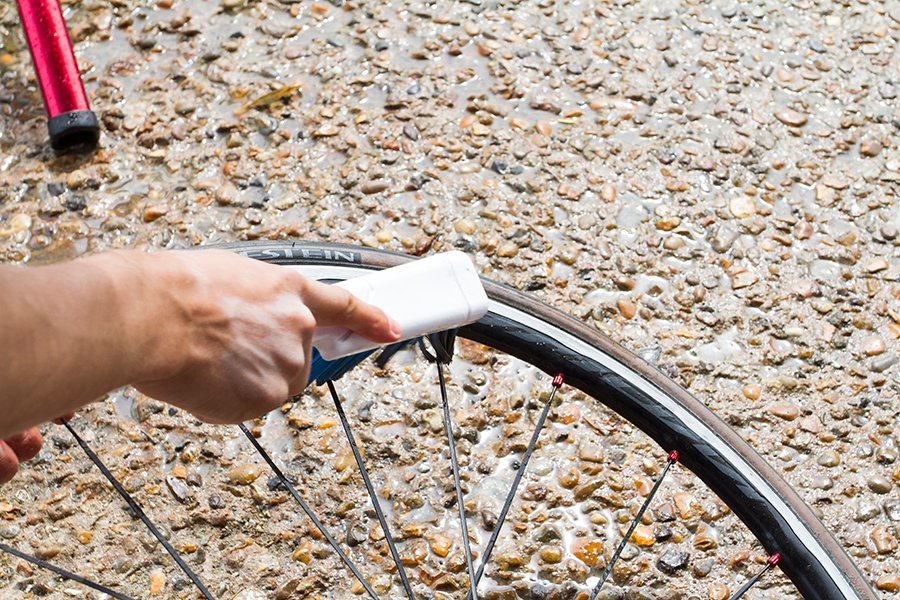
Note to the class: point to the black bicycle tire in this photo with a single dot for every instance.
(773, 511)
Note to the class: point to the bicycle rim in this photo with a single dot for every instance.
(612, 378)
(556, 343)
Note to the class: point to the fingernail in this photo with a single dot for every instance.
(395, 327)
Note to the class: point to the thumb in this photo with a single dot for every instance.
(333, 306)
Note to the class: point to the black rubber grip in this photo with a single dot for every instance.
(76, 131)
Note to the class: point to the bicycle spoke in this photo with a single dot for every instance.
(371, 490)
(309, 513)
(140, 513)
(448, 425)
(771, 562)
(557, 383)
(672, 459)
(63, 573)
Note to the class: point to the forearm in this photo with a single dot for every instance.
(68, 334)
(223, 336)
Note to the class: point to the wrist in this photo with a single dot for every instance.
(164, 319)
(142, 311)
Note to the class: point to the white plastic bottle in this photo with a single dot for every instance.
(424, 296)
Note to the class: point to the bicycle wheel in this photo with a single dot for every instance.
(608, 376)
(556, 343)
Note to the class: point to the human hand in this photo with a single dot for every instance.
(234, 335)
(16, 449)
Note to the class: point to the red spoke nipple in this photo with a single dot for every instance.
(558, 380)
(673, 456)
(774, 559)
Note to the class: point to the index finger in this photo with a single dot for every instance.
(333, 306)
(26, 444)
(9, 463)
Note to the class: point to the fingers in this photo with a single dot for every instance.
(334, 306)
(64, 418)
(18, 448)
(9, 463)
(26, 445)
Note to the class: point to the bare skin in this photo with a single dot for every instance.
(222, 336)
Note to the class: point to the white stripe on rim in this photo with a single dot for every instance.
(688, 419)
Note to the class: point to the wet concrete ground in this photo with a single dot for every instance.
(715, 183)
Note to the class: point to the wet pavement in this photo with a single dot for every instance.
(714, 185)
